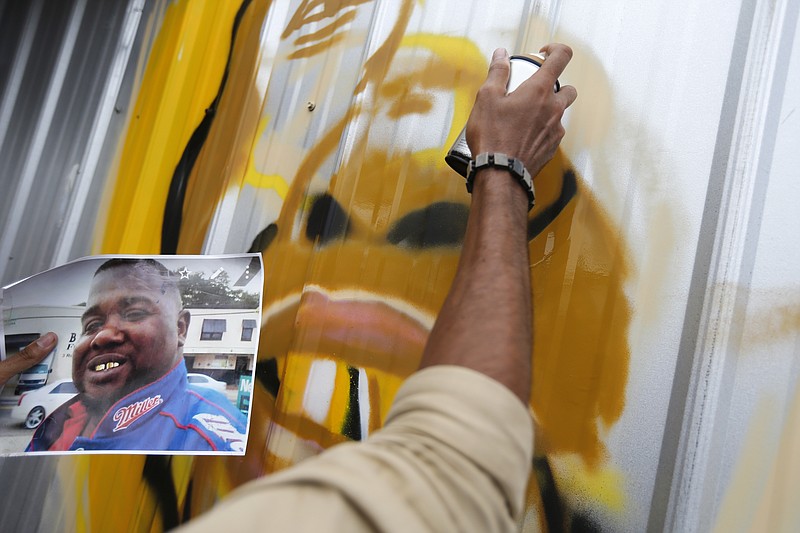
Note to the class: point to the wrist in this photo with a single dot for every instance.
(506, 165)
(496, 192)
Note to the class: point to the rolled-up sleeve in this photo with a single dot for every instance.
(454, 455)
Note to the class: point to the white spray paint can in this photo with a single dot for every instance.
(522, 68)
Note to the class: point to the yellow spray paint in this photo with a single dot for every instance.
(316, 292)
(181, 78)
(226, 157)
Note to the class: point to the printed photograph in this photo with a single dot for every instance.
(155, 355)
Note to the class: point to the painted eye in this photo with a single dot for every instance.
(327, 220)
(439, 224)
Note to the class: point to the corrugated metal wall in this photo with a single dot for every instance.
(663, 247)
(62, 109)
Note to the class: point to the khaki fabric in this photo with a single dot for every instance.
(454, 455)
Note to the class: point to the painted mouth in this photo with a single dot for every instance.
(361, 328)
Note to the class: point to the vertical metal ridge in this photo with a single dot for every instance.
(221, 224)
(668, 474)
(18, 69)
(28, 175)
(774, 33)
(549, 10)
(685, 464)
(97, 136)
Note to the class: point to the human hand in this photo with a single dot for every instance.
(525, 124)
(27, 357)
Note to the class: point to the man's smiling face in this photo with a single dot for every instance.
(133, 332)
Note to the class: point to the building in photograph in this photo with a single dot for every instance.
(221, 343)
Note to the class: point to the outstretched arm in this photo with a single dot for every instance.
(485, 323)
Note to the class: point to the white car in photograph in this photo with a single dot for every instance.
(201, 380)
(34, 406)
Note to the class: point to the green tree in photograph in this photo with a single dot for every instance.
(200, 292)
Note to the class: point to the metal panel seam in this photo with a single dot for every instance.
(18, 70)
(728, 215)
(97, 137)
(680, 402)
(28, 174)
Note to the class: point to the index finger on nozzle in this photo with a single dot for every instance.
(499, 69)
(557, 56)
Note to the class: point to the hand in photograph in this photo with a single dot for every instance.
(30, 355)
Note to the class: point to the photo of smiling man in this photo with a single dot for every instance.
(129, 370)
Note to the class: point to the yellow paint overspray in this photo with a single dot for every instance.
(752, 485)
(259, 180)
(182, 77)
(765, 476)
(778, 320)
(224, 160)
(125, 503)
(581, 486)
(762, 493)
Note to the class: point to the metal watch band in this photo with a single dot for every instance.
(502, 161)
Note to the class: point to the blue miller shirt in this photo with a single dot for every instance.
(168, 414)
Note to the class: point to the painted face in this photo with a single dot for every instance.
(358, 271)
(359, 268)
(132, 334)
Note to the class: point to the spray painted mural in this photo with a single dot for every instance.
(314, 132)
(331, 164)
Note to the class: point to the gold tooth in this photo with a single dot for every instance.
(106, 366)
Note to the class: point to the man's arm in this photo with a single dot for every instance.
(485, 323)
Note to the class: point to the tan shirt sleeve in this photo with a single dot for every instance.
(454, 455)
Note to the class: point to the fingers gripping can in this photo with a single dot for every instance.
(522, 68)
